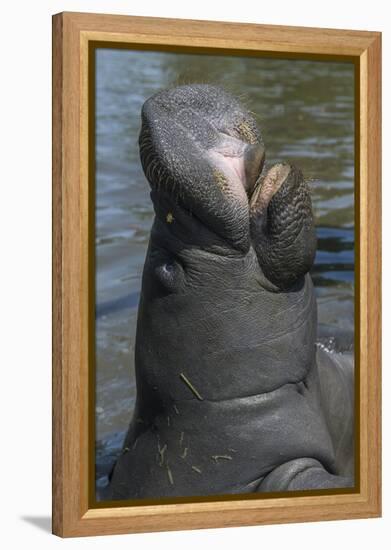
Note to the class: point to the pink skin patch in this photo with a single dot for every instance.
(228, 160)
(234, 168)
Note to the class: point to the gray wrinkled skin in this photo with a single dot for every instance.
(233, 396)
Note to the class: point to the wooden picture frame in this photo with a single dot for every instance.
(74, 37)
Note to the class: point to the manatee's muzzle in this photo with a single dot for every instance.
(203, 150)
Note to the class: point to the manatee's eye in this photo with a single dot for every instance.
(170, 275)
(168, 268)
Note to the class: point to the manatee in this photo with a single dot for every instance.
(233, 393)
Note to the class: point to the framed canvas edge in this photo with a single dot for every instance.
(72, 515)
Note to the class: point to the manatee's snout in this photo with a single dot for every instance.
(204, 122)
(201, 148)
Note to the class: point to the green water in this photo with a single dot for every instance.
(305, 110)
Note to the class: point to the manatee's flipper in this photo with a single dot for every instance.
(336, 373)
(282, 225)
(302, 474)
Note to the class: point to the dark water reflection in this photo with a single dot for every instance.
(305, 110)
